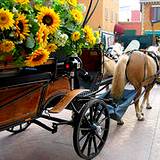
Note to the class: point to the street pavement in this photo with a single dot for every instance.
(135, 140)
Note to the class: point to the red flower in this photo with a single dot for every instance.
(8, 58)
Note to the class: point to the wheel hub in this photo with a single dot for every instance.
(97, 129)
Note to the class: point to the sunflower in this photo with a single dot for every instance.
(77, 15)
(6, 19)
(89, 35)
(61, 1)
(6, 46)
(22, 1)
(72, 2)
(50, 18)
(22, 27)
(38, 57)
(51, 47)
(42, 35)
(75, 36)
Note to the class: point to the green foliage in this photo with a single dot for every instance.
(26, 43)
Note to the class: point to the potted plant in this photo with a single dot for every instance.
(31, 31)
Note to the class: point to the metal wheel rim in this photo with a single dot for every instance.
(92, 130)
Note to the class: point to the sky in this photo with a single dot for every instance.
(125, 8)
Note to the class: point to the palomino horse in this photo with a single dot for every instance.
(112, 56)
(138, 69)
(155, 49)
(108, 67)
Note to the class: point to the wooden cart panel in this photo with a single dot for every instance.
(19, 103)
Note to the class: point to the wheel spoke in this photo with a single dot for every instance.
(89, 146)
(99, 115)
(99, 138)
(85, 129)
(95, 144)
(91, 114)
(86, 134)
(86, 120)
(85, 143)
(95, 112)
(105, 129)
(103, 120)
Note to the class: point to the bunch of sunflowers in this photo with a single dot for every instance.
(31, 31)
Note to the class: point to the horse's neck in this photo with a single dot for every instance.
(109, 66)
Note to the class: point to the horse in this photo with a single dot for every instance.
(108, 66)
(110, 58)
(139, 69)
(155, 49)
(114, 51)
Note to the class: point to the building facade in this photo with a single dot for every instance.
(105, 16)
(150, 17)
(135, 16)
(131, 28)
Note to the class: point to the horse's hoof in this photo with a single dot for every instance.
(140, 116)
(120, 122)
(141, 119)
(149, 107)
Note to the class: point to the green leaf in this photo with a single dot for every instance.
(30, 42)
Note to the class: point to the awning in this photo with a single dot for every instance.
(118, 29)
(152, 32)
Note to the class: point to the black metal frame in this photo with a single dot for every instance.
(88, 14)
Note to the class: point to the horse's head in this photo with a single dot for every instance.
(155, 50)
(118, 49)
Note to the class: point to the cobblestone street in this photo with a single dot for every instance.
(134, 140)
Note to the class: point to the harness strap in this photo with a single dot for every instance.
(130, 54)
(151, 78)
(145, 66)
(153, 55)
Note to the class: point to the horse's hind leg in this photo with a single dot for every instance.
(139, 114)
(146, 99)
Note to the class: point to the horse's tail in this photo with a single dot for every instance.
(119, 78)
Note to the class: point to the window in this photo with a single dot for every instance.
(155, 13)
(106, 14)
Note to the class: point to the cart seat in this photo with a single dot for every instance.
(21, 79)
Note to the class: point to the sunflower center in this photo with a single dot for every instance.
(21, 27)
(38, 57)
(3, 19)
(48, 20)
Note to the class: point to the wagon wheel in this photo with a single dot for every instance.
(91, 129)
(19, 128)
